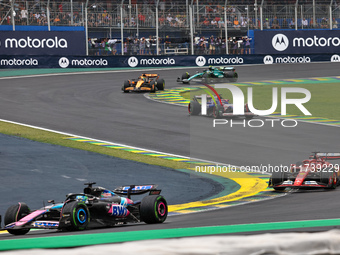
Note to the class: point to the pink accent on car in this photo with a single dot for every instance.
(29, 217)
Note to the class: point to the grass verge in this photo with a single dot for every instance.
(58, 139)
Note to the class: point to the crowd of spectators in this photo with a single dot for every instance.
(148, 46)
(171, 14)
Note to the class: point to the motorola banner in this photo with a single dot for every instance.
(297, 42)
(140, 62)
(64, 43)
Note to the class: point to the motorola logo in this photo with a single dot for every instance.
(64, 62)
(200, 61)
(133, 62)
(335, 58)
(280, 42)
(268, 60)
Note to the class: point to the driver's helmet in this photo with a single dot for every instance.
(211, 68)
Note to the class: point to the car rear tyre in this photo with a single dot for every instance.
(160, 84)
(217, 112)
(126, 85)
(153, 209)
(78, 214)
(15, 213)
(194, 108)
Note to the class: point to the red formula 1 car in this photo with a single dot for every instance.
(144, 83)
(315, 172)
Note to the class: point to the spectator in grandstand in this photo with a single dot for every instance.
(135, 47)
(335, 23)
(236, 23)
(324, 23)
(169, 20)
(206, 22)
(161, 20)
(142, 46)
(234, 46)
(202, 45)
(220, 23)
(246, 44)
(167, 42)
(24, 16)
(212, 46)
(214, 23)
(244, 22)
(218, 45)
(56, 20)
(266, 24)
(305, 23)
(275, 23)
(284, 24)
(292, 23)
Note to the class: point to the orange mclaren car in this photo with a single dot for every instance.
(144, 83)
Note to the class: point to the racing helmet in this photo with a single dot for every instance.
(211, 68)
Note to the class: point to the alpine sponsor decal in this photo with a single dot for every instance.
(118, 211)
(45, 224)
(84, 62)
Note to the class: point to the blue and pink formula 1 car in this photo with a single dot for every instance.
(95, 207)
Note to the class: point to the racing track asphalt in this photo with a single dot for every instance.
(92, 105)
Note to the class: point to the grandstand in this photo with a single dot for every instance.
(137, 18)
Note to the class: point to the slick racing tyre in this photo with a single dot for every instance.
(232, 76)
(328, 177)
(15, 213)
(126, 85)
(217, 112)
(153, 209)
(185, 76)
(78, 215)
(153, 87)
(160, 84)
(277, 178)
(194, 108)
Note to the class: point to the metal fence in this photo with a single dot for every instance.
(172, 27)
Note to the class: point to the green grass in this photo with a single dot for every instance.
(58, 139)
(324, 101)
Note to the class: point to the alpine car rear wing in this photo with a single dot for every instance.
(325, 155)
(137, 190)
